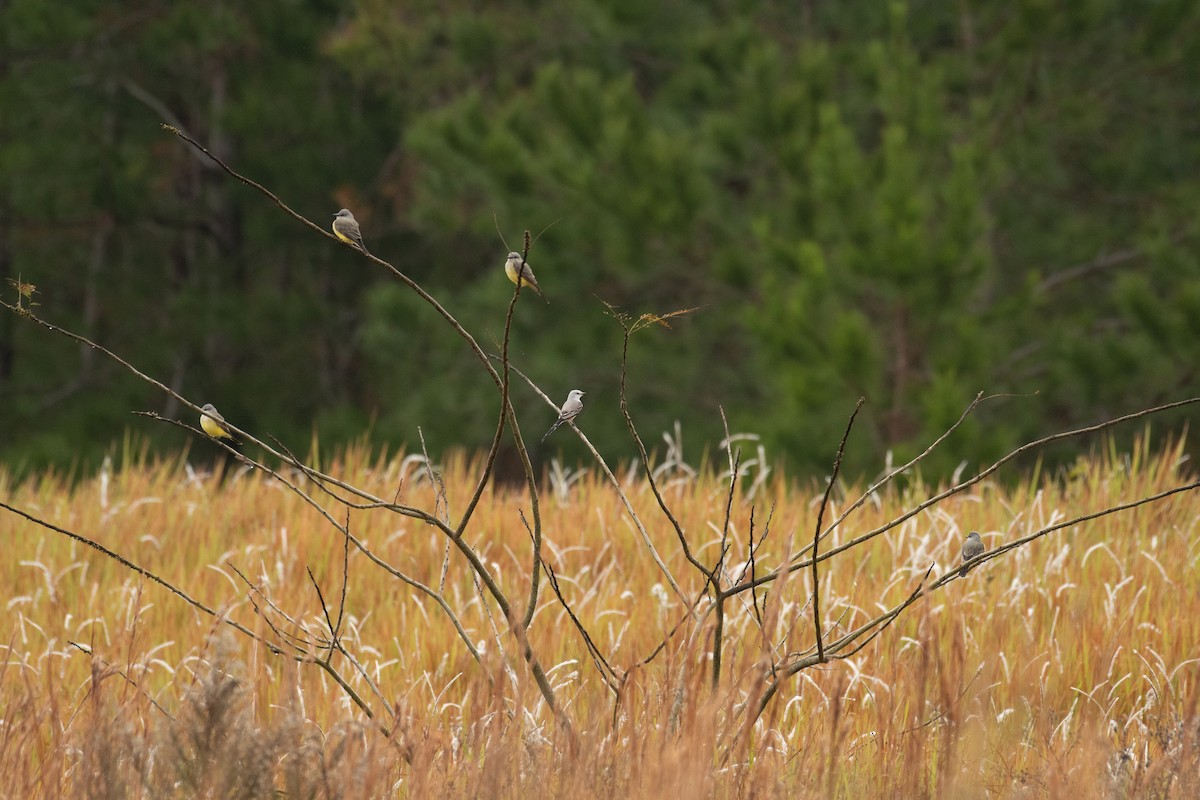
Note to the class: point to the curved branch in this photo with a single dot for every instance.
(710, 575)
(837, 467)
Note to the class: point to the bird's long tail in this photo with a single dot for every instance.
(534, 287)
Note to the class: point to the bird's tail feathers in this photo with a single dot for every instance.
(526, 283)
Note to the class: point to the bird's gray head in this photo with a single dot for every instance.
(576, 394)
(973, 535)
(208, 407)
(345, 212)
(514, 257)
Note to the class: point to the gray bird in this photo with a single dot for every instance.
(345, 227)
(570, 410)
(972, 548)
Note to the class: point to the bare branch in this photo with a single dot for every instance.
(607, 673)
(719, 622)
(837, 466)
(630, 328)
(1100, 263)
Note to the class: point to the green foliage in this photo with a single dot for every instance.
(911, 204)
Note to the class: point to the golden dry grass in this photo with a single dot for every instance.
(1067, 667)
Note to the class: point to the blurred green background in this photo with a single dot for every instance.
(910, 202)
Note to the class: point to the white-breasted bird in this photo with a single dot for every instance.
(570, 410)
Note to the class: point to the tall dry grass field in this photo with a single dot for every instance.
(1067, 667)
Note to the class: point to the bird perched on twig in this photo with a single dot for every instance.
(345, 227)
(972, 548)
(214, 424)
(570, 410)
(516, 266)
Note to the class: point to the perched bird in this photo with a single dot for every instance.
(972, 548)
(345, 227)
(214, 424)
(570, 409)
(516, 266)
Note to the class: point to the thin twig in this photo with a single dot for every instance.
(629, 329)
(88, 650)
(719, 601)
(607, 673)
(837, 466)
(345, 580)
(308, 639)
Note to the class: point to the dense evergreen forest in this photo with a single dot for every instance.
(907, 202)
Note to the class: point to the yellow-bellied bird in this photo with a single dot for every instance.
(214, 424)
(345, 227)
(516, 267)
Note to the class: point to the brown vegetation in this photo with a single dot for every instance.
(1065, 666)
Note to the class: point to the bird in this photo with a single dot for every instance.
(516, 266)
(570, 409)
(214, 424)
(345, 227)
(972, 548)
